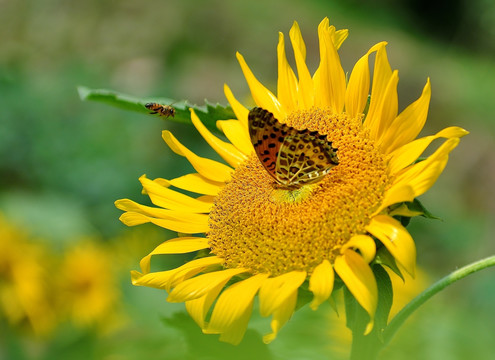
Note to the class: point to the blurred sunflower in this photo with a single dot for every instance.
(270, 241)
(25, 299)
(88, 293)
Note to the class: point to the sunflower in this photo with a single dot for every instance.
(268, 241)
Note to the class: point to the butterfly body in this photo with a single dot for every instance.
(292, 157)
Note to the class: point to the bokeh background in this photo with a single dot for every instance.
(65, 258)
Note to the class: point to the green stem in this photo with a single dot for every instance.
(399, 319)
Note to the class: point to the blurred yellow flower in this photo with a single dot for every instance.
(270, 241)
(24, 288)
(88, 292)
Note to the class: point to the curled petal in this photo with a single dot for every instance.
(396, 239)
(321, 283)
(364, 244)
(359, 279)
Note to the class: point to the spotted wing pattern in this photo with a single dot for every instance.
(292, 157)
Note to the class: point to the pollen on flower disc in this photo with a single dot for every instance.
(248, 229)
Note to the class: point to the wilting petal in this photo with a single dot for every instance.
(180, 245)
(339, 37)
(239, 110)
(233, 309)
(408, 124)
(198, 286)
(287, 86)
(321, 283)
(281, 315)
(261, 95)
(359, 279)
(227, 151)
(210, 169)
(396, 239)
(276, 290)
(305, 89)
(237, 135)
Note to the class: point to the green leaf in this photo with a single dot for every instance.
(383, 257)
(208, 113)
(385, 298)
(416, 205)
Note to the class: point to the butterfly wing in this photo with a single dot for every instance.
(305, 157)
(292, 157)
(267, 135)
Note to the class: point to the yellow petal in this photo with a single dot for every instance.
(198, 184)
(287, 87)
(396, 194)
(173, 200)
(408, 124)
(198, 308)
(386, 110)
(276, 290)
(359, 279)
(381, 77)
(339, 37)
(200, 285)
(210, 169)
(227, 151)
(364, 244)
(403, 210)
(321, 283)
(305, 88)
(179, 245)
(179, 222)
(261, 95)
(237, 135)
(358, 87)
(422, 176)
(331, 74)
(162, 279)
(408, 153)
(233, 309)
(239, 110)
(396, 239)
(281, 315)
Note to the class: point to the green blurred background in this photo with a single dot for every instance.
(65, 162)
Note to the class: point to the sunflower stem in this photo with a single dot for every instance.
(419, 300)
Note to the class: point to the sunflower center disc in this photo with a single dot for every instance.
(268, 230)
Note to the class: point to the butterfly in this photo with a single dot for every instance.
(292, 157)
